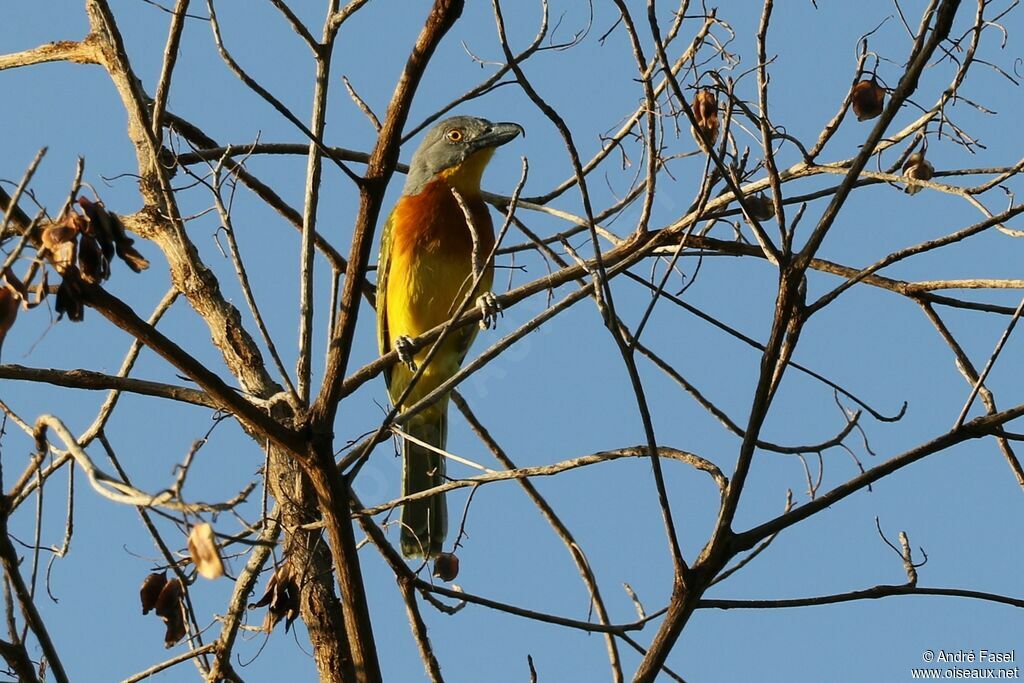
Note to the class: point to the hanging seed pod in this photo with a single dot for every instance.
(917, 168)
(133, 258)
(69, 296)
(446, 566)
(170, 607)
(99, 226)
(150, 591)
(123, 245)
(868, 99)
(705, 112)
(762, 208)
(202, 546)
(110, 232)
(91, 262)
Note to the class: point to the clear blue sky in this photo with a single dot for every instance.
(562, 392)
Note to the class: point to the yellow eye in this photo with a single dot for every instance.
(454, 135)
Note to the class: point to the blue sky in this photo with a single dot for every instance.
(562, 392)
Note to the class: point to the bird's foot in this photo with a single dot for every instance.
(406, 354)
(490, 309)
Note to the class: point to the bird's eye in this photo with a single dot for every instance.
(454, 135)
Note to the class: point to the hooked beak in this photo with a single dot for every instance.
(498, 135)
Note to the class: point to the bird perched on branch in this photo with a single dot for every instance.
(435, 244)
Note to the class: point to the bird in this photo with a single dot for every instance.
(425, 270)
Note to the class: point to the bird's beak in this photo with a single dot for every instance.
(498, 135)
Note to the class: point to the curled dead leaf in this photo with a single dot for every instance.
(705, 111)
(868, 99)
(12, 297)
(111, 234)
(69, 296)
(202, 546)
(917, 168)
(91, 262)
(130, 256)
(98, 226)
(60, 241)
(170, 606)
(281, 598)
(150, 591)
(57, 235)
(9, 304)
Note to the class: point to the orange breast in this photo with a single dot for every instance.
(431, 257)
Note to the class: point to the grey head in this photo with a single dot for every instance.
(451, 142)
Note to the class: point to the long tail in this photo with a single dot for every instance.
(425, 521)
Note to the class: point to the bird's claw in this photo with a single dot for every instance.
(490, 309)
(403, 347)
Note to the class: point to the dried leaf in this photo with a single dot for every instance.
(124, 246)
(69, 296)
(115, 226)
(59, 241)
(109, 230)
(91, 262)
(9, 304)
(705, 111)
(268, 592)
(56, 235)
(170, 598)
(868, 99)
(99, 226)
(170, 606)
(282, 599)
(917, 168)
(175, 631)
(202, 546)
(133, 258)
(150, 591)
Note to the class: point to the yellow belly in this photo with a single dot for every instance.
(424, 289)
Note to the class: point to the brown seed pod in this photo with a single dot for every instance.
(868, 99)
(705, 112)
(762, 208)
(446, 566)
(150, 591)
(917, 168)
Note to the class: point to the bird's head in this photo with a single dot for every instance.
(457, 150)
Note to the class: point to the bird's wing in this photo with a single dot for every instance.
(383, 265)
